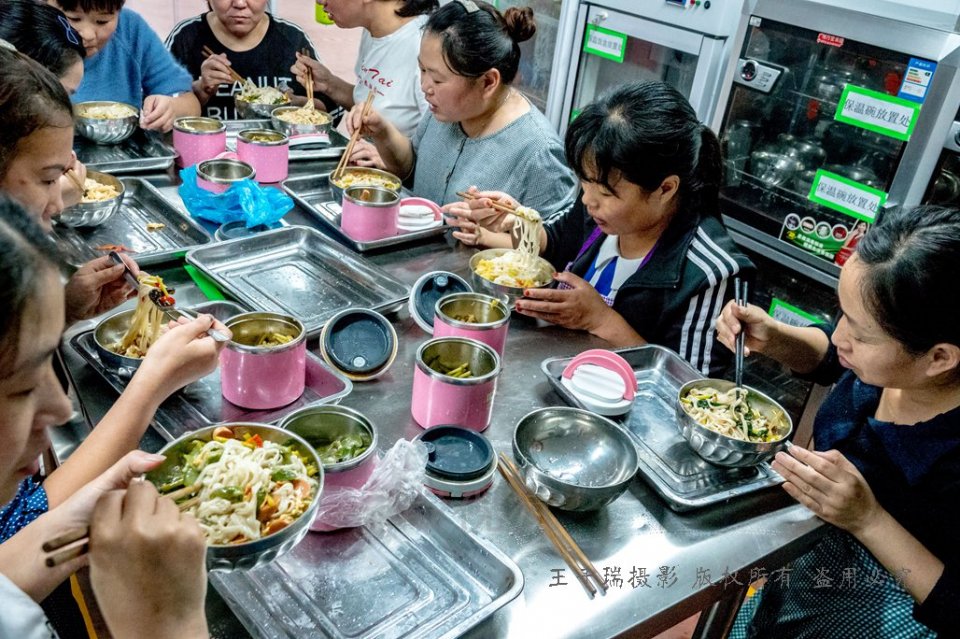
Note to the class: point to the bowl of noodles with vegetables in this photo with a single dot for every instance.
(731, 426)
(305, 120)
(102, 197)
(253, 488)
(254, 102)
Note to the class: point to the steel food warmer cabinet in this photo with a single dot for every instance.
(827, 116)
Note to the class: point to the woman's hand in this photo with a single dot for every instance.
(373, 125)
(147, 565)
(182, 355)
(214, 71)
(366, 154)
(69, 191)
(475, 216)
(759, 327)
(158, 113)
(322, 77)
(97, 287)
(830, 486)
(579, 307)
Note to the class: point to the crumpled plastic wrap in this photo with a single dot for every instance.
(244, 200)
(391, 489)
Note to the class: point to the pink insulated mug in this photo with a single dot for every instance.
(474, 315)
(369, 213)
(219, 174)
(442, 396)
(268, 152)
(197, 139)
(259, 376)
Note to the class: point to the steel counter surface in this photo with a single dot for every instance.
(690, 560)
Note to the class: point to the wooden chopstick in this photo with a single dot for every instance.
(341, 165)
(500, 207)
(309, 86)
(558, 535)
(76, 180)
(207, 52)
(76, 542)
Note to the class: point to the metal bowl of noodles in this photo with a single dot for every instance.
(573, 459)
(729, 451)
(94, 212)
(509, 293)
(109, 332)
(105, 122)
(291, 128)
(252, 110)
(247, 554)
(363, 176)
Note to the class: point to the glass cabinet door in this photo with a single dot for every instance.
(813, 133)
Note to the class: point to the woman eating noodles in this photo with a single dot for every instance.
(643, 253)
(885, 469)
(479, 131)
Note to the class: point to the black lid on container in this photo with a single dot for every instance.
(457, 454)
(238, 228)
(428, 290)
(358, 340)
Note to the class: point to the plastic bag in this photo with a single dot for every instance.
(393, 486)
(244, 200)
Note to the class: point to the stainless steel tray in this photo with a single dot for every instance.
(142, 151)
(331, 150)
(201, 404)
(667, 462)
(142, 203)
(421, 575)
(299, 271)
(313, 194)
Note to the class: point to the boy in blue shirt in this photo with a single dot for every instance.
(127, 62)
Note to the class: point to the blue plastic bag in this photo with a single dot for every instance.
(244, 200)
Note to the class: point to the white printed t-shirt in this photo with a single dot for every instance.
(388, 65)
(22, 617)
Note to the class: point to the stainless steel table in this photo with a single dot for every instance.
(663, 566)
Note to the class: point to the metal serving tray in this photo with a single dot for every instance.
(313, 194)
(330, 150)
(201, 404)
(299, 271)
(420, 575)
(142, 151)
(667, 462)
(142, 203)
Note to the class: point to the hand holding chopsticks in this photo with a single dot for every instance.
(207, 52)
(345, 158)
(518, 211)
(574, 557)
(308, 81)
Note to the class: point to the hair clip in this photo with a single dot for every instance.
(469, 5)
(71, 33)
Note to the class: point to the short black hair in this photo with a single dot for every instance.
(41, 32)
(90, 5)
(647, 131)
(413, 8)
(912, 258)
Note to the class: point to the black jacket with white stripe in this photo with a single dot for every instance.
(675, 299)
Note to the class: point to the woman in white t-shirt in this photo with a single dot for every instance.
(386, 63)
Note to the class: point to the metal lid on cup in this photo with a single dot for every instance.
(359, 343)
(427, 290)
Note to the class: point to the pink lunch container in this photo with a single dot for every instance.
(219, 174)
(369, 213)
(262, 376)
(440, 397)
(268, 152)
(197, 139)
(474, 315)
(323, 425)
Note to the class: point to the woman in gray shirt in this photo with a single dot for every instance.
(480, 131)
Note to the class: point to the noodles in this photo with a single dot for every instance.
(94, 191)
(305, 115)
(108, 111)
(730, 414)
(362, 178)
(520, 267)
(249, 488)
(262, 95)
(147, 322)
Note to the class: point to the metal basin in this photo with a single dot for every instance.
(104, 130)
(573, 459)
(94, 213)
(293, 128)
(109, 331)
(502, 291)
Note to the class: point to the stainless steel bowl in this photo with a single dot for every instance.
(329, 422)
(361, 172)
(727, 451)
(253, 110)
(573, 459)
(291, 128)
(104, 130)
(94, 213)
(810, 154)
(510, 293)
(109, 331)
(249, 554)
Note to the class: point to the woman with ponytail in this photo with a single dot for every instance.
(643, 253)
(479, 130)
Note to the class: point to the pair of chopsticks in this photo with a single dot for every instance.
(207, 52)
(503, 208)
(740, 297)
(342, 164)
(309, 84)
(76, 542)
(76, 180)
(574, 557)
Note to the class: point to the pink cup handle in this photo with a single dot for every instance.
(422, 201)
(610, 361)
(227, 155)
